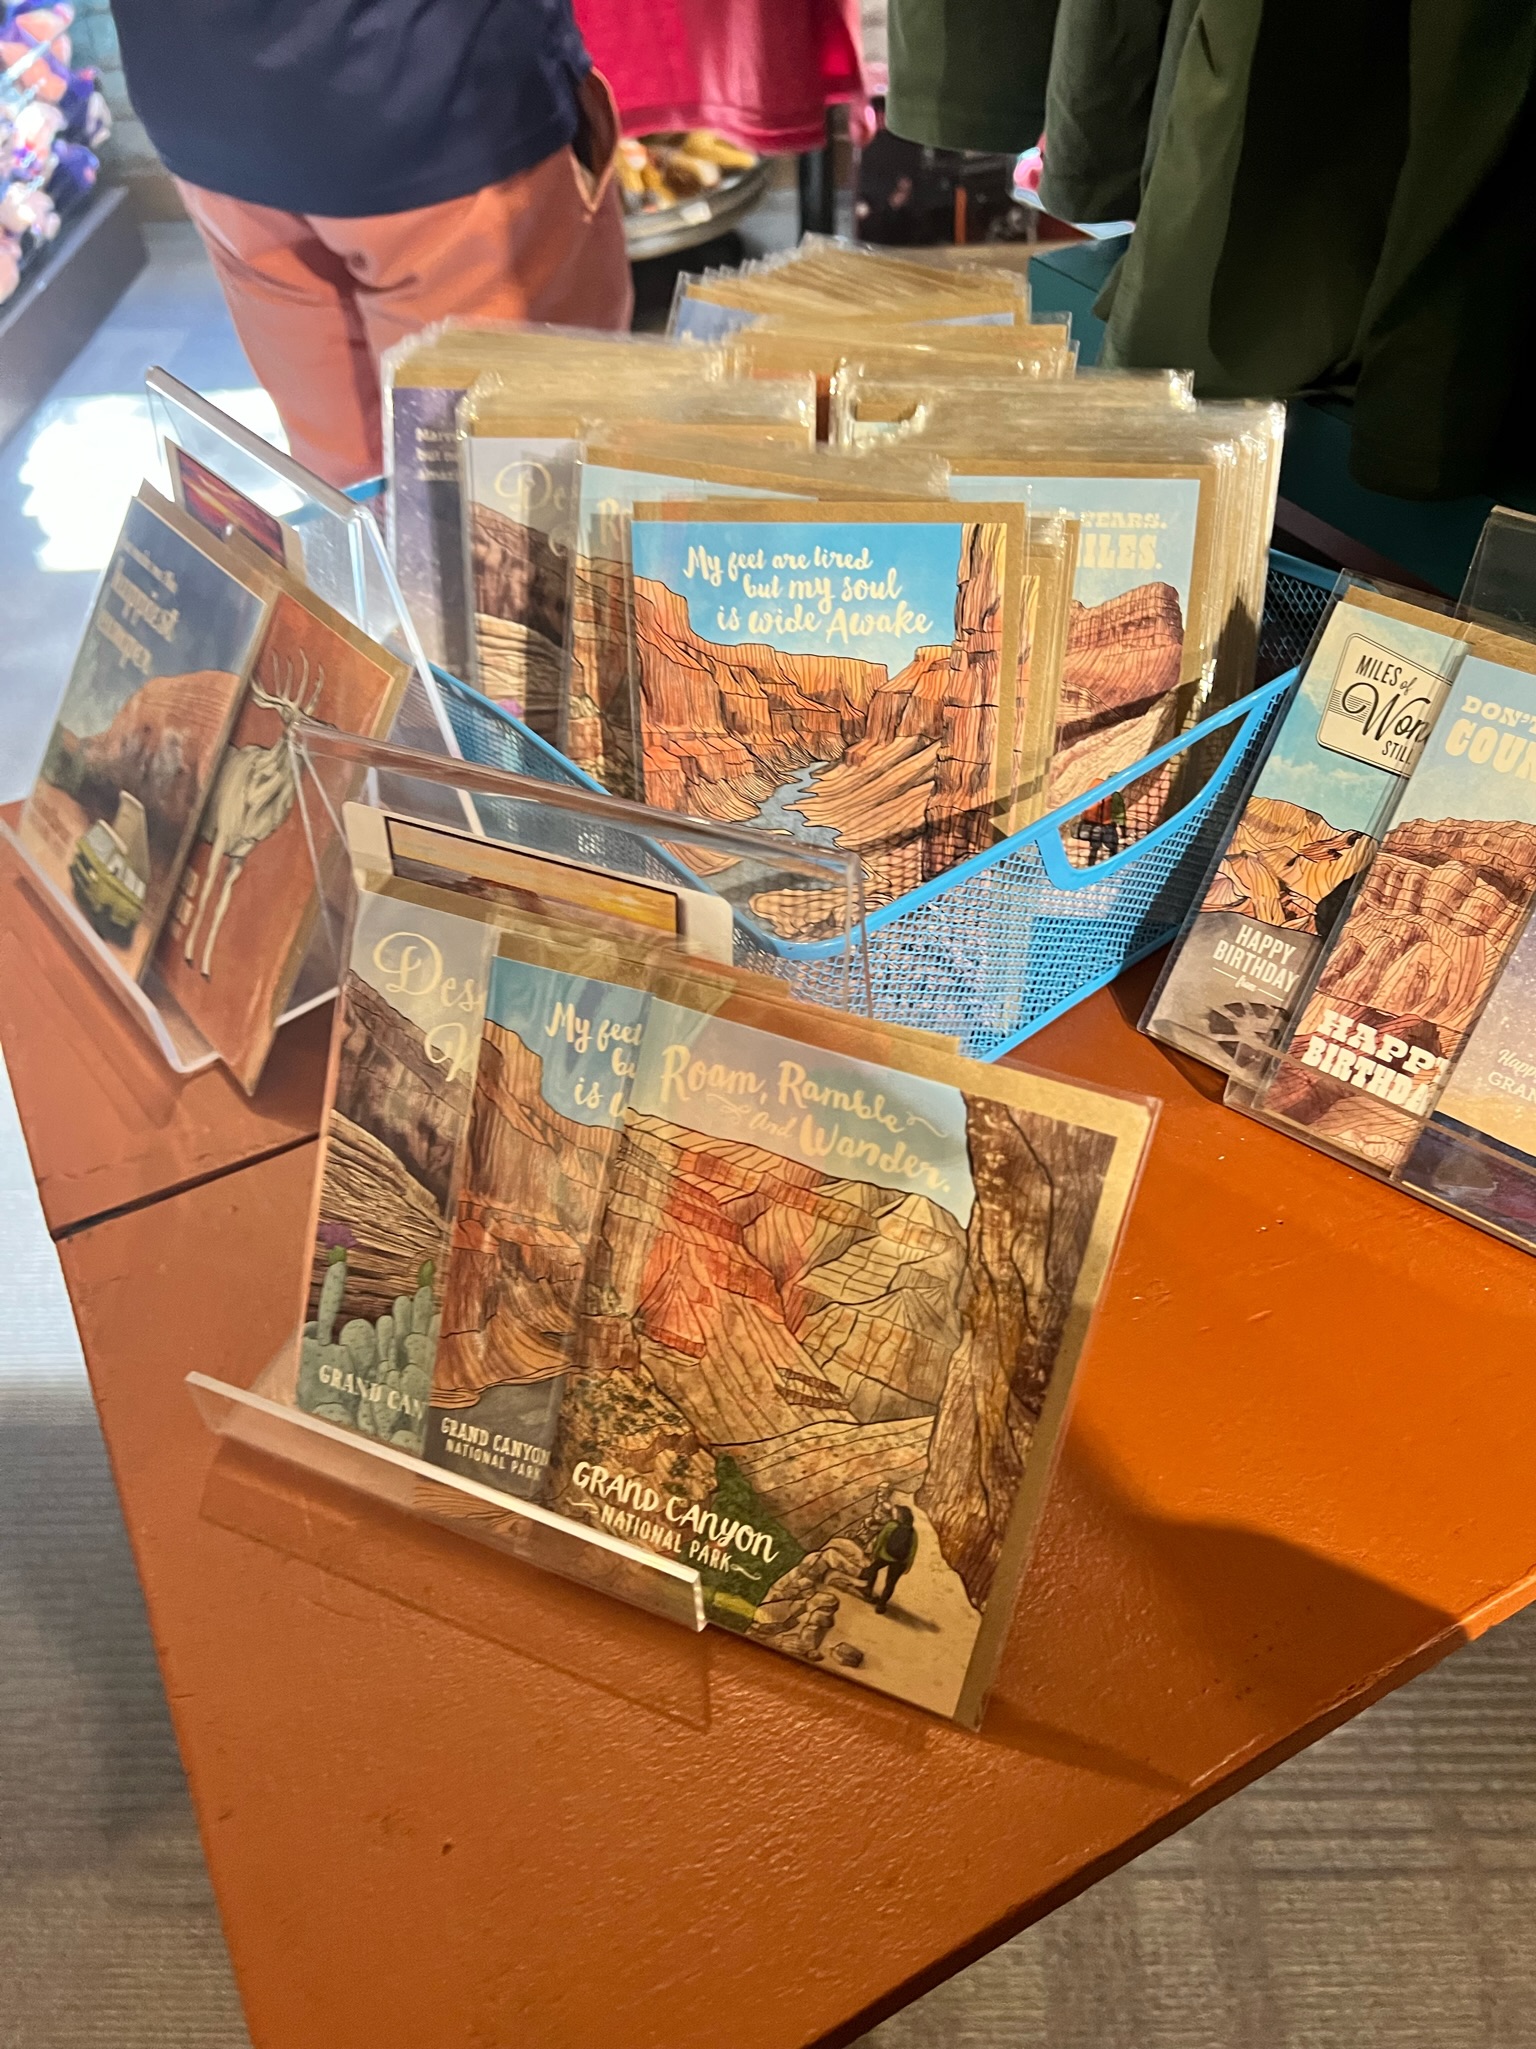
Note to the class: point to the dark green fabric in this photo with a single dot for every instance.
(1344, 199)
(969, 74)
(1094, 75)
(1105, 60)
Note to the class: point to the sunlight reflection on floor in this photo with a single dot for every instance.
(86, 457)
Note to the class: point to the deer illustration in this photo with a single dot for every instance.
(255, 791)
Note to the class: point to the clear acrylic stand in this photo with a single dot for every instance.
(1334, 1090)
(147, 1001)
(1445, 1113)
(343, 556)
(1501, 583)
(391, 1387)
(521, 1529)
(738, 865)
(177, 1039)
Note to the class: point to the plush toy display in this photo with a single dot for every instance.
(53, 120)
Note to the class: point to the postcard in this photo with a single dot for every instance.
(603, 714)
(834, 1312)
(251, 889)
(841, 673)
(1371, 692)
(215, 504)
(1427, 933)
(426, 514)
(1139, 595)
(557, 1057)
(392, 1146)
(141, 729)
(520, 501)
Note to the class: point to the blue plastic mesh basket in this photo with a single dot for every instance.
(993, 949)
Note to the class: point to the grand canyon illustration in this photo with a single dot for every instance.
(392, 1140)
(159, 750)
(793, 1360)
(1410, 969)
(900, 769)
(1287, 866)
(522, 605)
(834, 750)
(1119, 688)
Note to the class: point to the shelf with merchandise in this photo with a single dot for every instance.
(53, 123)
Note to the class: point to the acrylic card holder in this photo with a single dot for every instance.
(562, 898)
(629, 1263)
(332, 542)
(1408, 1048)
(731, 868)
(178, 830)
(1468, 1147)
(203, 929)
(520, 1529)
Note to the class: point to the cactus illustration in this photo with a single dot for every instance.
(374, 1377)
(332, 1288)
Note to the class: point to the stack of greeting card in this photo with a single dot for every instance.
(848, 673)
(1369, 694)
(1362, 959)
(776, 1294)
(1127, 605)
(176, 818)
(1429, 928)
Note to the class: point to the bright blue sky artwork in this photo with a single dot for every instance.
(876, 590)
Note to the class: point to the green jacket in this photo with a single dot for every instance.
(990, 74)
(1339, 196)
(1344, 199)
(969, 74)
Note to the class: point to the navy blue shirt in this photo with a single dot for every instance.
(352, 106)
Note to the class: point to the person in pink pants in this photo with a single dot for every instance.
(360, 169)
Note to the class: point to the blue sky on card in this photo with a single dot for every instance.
(1453, 786)
(916, 564)
(1168, 506)
(1350, 795)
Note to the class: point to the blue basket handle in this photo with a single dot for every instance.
(1048, 833)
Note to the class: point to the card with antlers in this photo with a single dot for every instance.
(251, 889)
(142, 724)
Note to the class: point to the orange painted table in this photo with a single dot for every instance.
(108, 1124)
(446, 1800)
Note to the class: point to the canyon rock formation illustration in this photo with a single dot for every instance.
(160, 748)
(1282, 862)
(522, 605)
(391, 1144)
(1425, 938)
(602, 715)
(903, 767)
(1119, 687)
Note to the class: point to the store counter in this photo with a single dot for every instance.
(446, 1799)
(107, 1123)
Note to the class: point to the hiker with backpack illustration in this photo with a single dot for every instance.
(895, 1549)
